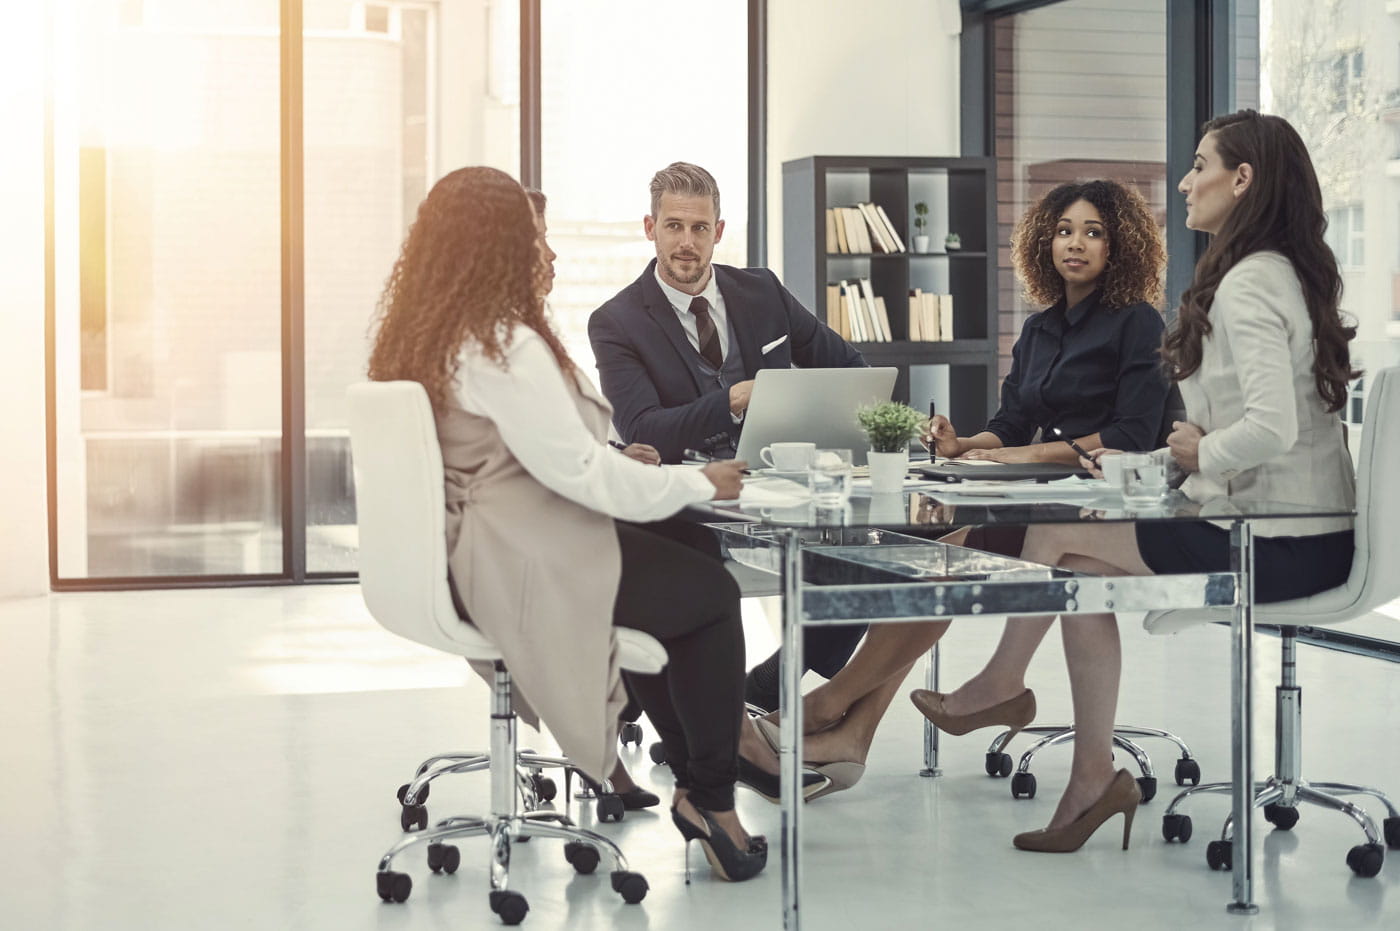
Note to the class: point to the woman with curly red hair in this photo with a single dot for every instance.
(1089, 365)
(541, 550)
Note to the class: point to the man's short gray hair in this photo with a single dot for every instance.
(685, 179)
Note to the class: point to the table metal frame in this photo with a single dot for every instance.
(804, 606)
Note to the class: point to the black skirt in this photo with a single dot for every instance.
(1284, 567)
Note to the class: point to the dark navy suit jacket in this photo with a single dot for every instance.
(650, 372)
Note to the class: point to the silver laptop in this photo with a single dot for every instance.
(812, 406)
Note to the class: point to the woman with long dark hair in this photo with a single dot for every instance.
(540, 547)
(1260, 353)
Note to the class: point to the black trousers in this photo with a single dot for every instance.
(690, 603)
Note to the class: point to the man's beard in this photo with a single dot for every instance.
(674, 273)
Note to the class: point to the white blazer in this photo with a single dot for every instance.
(1268, 433)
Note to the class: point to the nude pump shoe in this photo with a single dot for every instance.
(1121, 797)
(1014, 713)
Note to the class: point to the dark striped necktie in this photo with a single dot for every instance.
(709, 336)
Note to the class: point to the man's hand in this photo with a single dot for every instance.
(739, 396)
(727, 475)
(1185, 444)
(940, 437)
(647, 455)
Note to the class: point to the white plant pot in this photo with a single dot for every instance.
(887, 471)
(920, 243)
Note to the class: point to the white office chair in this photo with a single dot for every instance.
(1374, 580)
(404, 580)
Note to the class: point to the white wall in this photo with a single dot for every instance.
(23, 521)
(846, 77)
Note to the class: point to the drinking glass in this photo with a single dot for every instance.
(829, 477)
(1144, 479)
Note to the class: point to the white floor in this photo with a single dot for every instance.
(227, 759)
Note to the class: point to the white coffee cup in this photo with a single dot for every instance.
(788, 457)
(1111, 465)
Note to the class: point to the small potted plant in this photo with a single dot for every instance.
(953, 242)
(889, 426)
(921, 227)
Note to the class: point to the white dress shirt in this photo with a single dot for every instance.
(680, 303)
(534, 409)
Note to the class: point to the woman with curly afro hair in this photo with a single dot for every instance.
(1088, 365)
(541, 551)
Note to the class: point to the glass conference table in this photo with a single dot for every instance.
(863, 563)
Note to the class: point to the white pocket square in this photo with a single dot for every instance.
(773, 345)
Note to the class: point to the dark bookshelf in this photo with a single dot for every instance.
(967, 196)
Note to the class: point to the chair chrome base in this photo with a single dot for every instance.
(506, 824)
(1023, 781)
(1282, 794)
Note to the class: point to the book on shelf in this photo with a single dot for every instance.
(889, 228)
(842, 241)
(882, 317)
(930, 316)
(878, 237)
(855, 227)
(833, 243)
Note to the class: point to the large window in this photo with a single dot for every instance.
(194, 232)
(675, 91)
(1332, 68)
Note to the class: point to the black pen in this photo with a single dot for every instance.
(616, 445)
(1072, 444)
(694, 455)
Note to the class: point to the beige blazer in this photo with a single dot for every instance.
(1268, 434)
(538, 574)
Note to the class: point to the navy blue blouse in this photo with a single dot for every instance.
(1086, 369)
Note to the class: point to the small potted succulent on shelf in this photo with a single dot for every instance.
(890, 427)
(921, 227)
(952, 242)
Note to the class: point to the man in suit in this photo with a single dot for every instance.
(678, 349)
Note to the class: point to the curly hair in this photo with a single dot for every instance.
(1136, 253)
(1281, 210)
(470, 269)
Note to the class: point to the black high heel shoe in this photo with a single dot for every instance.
(726, 859)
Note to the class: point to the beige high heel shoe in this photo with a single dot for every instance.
(1014, 713)
(1121, 797)
(840, 775)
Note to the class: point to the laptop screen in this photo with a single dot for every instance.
(812, 406)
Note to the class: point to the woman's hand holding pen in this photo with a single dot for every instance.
(727, 475)
(940, 438)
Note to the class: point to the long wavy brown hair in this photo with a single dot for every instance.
(1281, 210)
(1136, 253)
(470, 269)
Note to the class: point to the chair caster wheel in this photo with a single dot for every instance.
(999, 764)
(1176, 828)
(631, 886)
(393, 887)
(1023, 785)
(1188, 770)
(1282, 817)
(510, 906)
(422, 793)
(1220, 855)
(582, 857)
(609, 807)
(1366, 860)
(413, 818)
(631, 733)
(545, 789)
(657, 752)
(1392, 833)
(1147, 785)
(444, 858)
